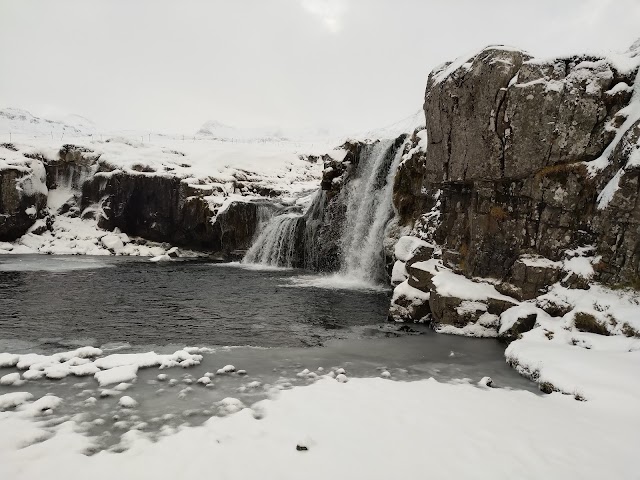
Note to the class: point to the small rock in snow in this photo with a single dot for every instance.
(486, 382)
(242, 372)
(301, 448)
(127, 402)
(109, 393)
(204, 380)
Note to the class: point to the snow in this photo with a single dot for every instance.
(470, 330)
(557, 437)
(406, 247)
(124, 373)
(399, 272)
(632, 111)
(510, 316)
(8, 360)
(106, 370)
(42, 406)
(485, 382)
(606, 370)
(112, 242)
(10, 379)
(13, 399)
(223, 171)
(127, 402)
(450, 284)
(539, 261)
(407, 291)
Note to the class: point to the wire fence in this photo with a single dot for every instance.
(148, 138)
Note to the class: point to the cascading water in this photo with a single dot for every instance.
(276, 243)
(369, 209)
(288, 240)
(291, 240)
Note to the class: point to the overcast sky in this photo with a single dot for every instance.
(350, 64)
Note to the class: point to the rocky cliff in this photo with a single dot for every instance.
(50, 199)
(527, 176)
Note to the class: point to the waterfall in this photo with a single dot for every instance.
(296, 240)
(276, 243)
(369, 209)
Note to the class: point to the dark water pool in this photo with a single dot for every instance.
(97, 300)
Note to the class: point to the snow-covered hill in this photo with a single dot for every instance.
(22, 124)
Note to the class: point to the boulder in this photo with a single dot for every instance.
(517, 320)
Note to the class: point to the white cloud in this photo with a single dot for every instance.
(330, 12)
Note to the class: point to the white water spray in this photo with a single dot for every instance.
(369, 209)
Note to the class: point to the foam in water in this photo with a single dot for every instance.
(336, 281)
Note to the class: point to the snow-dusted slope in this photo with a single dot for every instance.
(22, 124)
(216, 130)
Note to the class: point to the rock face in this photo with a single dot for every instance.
(513, 144)
(526, 173)
(166, 209)
(23, 195)
(162, 208)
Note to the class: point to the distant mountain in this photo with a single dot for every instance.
(393, 130)
(22, 123)
(220, 131)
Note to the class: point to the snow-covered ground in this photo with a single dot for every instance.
(363, 428)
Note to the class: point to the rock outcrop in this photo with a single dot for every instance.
(526, 174)
(23, 195)
(139, 201)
